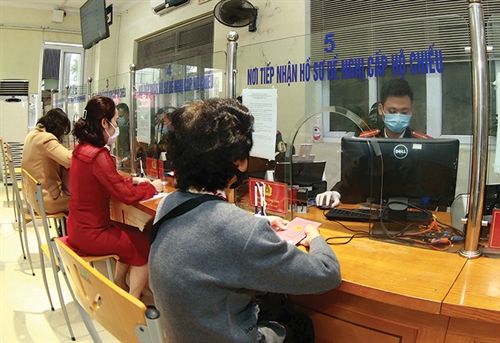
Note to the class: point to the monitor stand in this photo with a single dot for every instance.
(397, 218)
(397, 208)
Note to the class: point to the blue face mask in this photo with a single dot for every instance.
(121, 121)
(397, 122)
(164, 129)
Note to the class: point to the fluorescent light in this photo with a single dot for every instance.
(64, 44)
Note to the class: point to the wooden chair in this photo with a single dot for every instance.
(5, 170)
(121, 314)
(32, 190)
(23, 216)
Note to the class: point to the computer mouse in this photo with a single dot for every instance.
(324, 207)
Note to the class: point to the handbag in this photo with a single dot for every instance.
(278, 307)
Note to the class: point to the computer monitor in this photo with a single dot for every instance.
(420, 172)
(303, 173)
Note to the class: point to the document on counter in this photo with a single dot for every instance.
(295, 230)
(157, 196)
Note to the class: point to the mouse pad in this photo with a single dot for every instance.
(295, 230)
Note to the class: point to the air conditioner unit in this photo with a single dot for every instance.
(163, 6)
(12, 90)
(14, 104)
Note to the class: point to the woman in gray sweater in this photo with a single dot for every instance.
(207, 264)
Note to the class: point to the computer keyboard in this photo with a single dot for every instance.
(350, 215)
(372, 216)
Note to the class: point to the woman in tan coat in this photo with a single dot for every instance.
(45, 158)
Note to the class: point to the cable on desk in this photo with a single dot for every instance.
(350, 238)
(347, 228)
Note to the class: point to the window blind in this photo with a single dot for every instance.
(193, 39)
(362, 28)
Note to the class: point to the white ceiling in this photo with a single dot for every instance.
(70, 6)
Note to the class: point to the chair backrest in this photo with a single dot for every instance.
(15, 150)
(30, 189)
(4, 161)
(17, 195)
(121, 314)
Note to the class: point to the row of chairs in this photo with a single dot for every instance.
(96, 297)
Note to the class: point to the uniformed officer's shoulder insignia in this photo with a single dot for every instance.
(370, 133)
(416, 134)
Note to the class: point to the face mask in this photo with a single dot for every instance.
(112, 139)
(397, 122)
(121, 121)
(164, 129)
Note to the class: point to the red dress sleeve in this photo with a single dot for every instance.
(118, 186)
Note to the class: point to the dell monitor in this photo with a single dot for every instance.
(411, 171)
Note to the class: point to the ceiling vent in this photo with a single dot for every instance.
(14, 87)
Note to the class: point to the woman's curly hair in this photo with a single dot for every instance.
(89, 130)
(56, 122)
(206, 138)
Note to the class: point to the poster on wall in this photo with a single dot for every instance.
(144, 120)
(262, 103)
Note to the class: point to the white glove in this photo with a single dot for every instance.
(328, 198)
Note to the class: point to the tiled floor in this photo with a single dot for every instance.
(25, 311)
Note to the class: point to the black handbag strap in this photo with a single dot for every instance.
(180, 209)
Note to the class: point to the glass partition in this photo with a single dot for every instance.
(161, 90)
(72, 101)
(118, 88)
(312, 72)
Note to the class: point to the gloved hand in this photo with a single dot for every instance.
(328, 198)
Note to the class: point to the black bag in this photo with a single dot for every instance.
(278, 307)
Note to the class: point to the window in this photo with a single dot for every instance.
(62, 67)
(442, 101)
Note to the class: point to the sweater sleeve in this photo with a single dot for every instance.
(58, 152)
(118, 186)
(276, 266)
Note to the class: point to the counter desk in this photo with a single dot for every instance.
(390, 292)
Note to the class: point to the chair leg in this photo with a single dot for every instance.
(28, 247)
(20, 230)
(56, 278)
(59, 293)
(42, 263)
(111, 277)
(7, 191)
(41, 257)
(62, 221)
(14, 198)
(87, 320)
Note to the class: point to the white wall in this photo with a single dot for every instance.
(22, 33)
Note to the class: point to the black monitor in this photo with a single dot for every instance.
(94, 22)
(420, 172)
(303, 173)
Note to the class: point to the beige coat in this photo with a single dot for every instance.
(43, 157)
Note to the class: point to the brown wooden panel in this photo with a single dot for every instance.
(471, 331)
(116, 211)
(353, 315)
(476, 292)
(332, 330)
(391, 273)
(136, 217)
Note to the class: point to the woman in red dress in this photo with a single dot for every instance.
(94, 179)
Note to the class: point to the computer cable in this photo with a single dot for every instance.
(349, 229)
(349, 238)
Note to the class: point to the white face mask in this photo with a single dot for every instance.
(112, 139)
